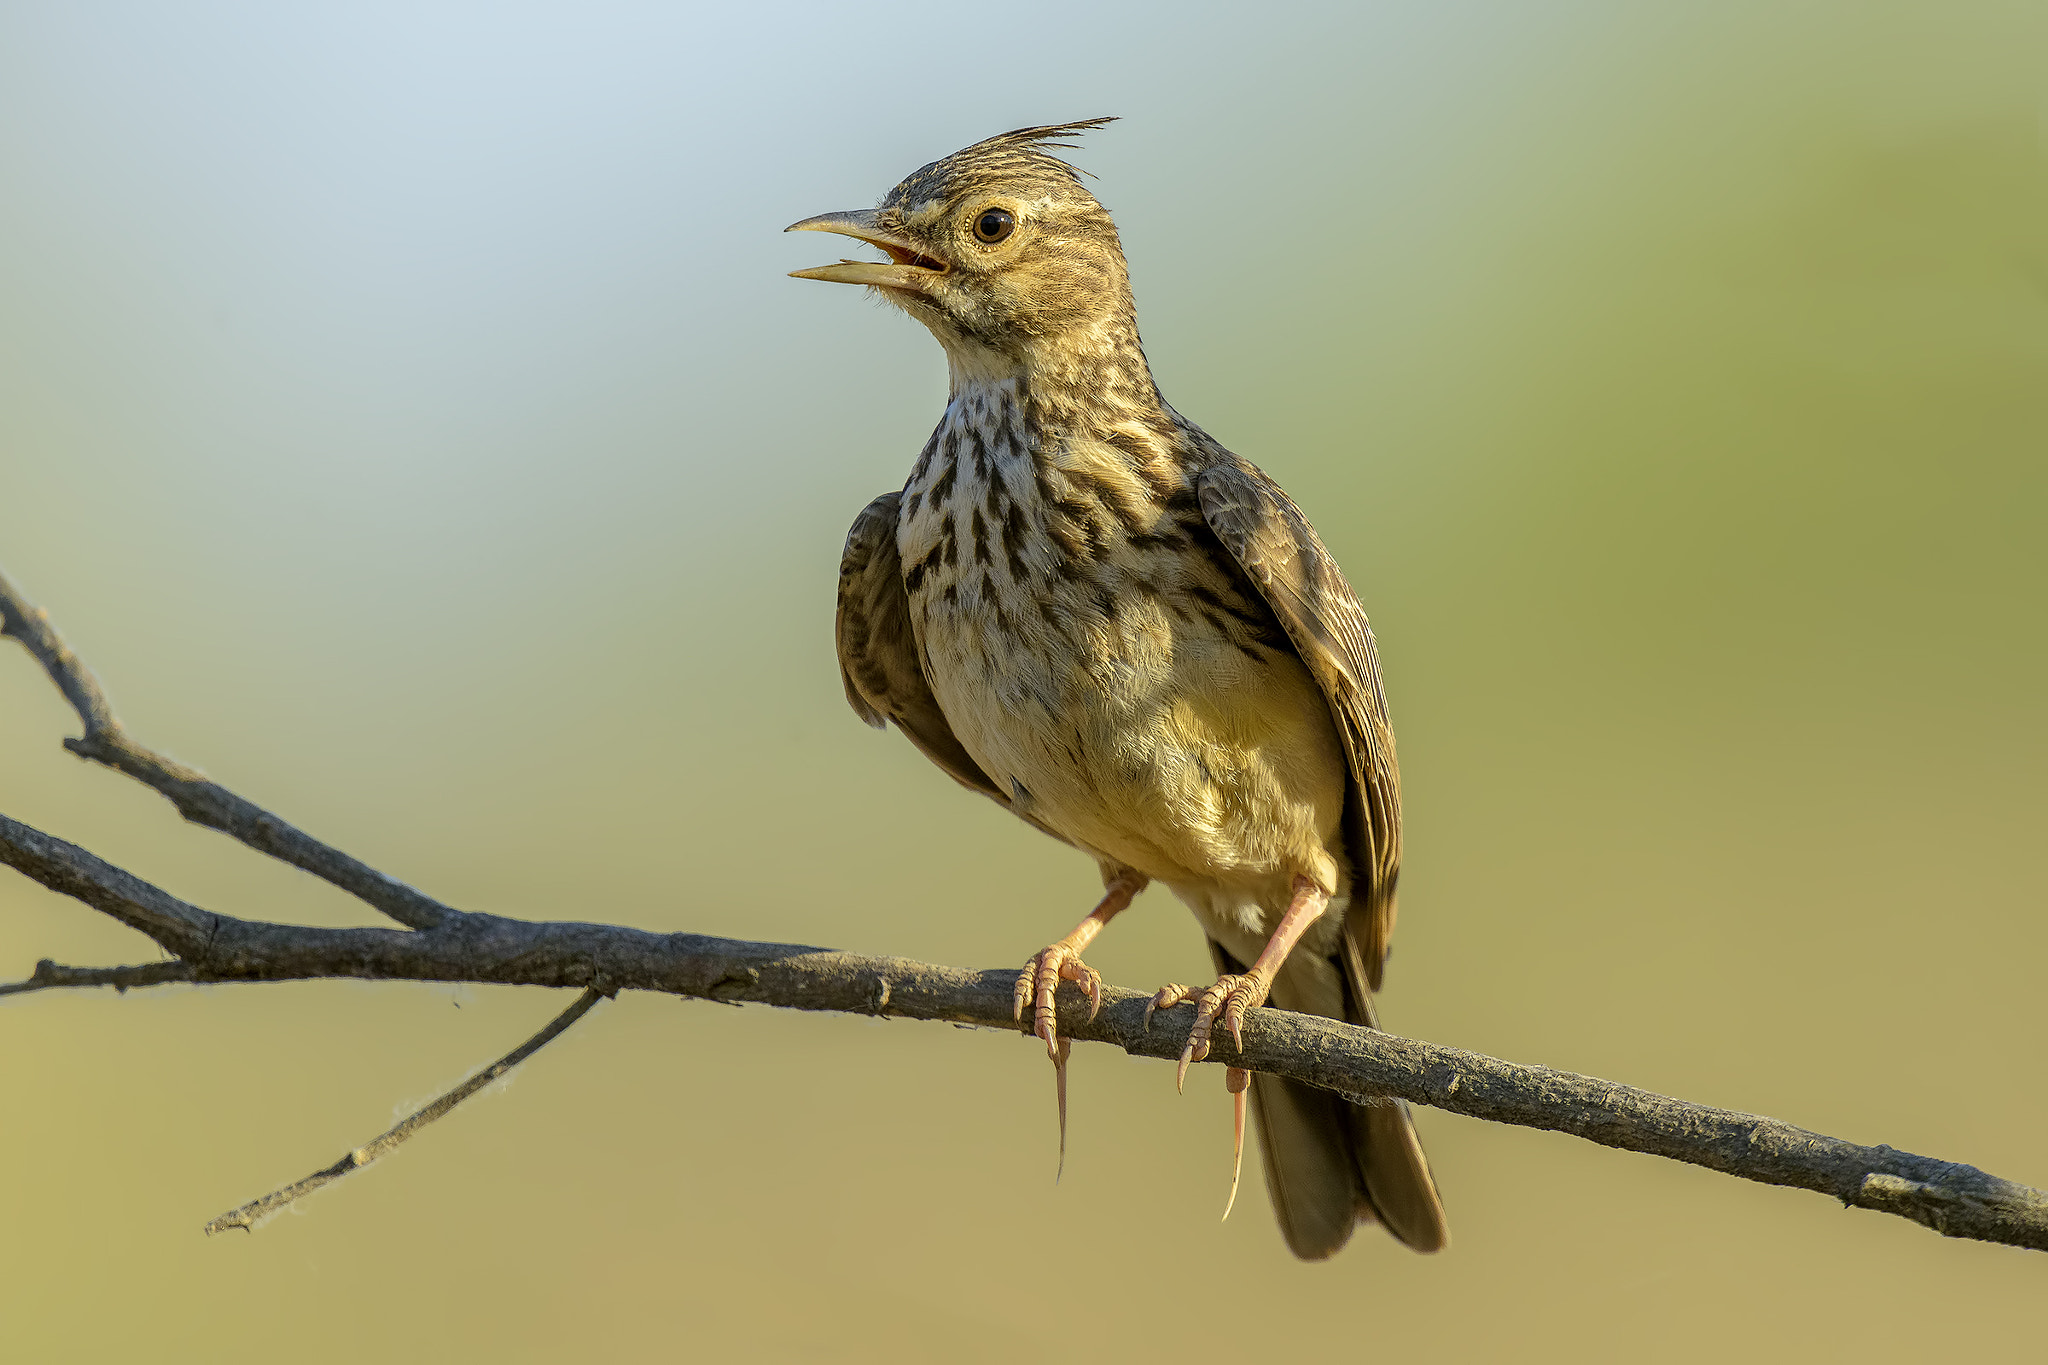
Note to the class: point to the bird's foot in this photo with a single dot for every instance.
(1227, 1000)
(1061, 961)
(1038, 981)
(1041, 977)
(1236, 1080)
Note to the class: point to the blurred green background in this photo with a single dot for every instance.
(402, 407)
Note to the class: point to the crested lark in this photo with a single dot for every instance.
(1087, 610)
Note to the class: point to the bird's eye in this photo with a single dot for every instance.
(994, 225)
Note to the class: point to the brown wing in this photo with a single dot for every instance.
(1300, 1129)
(878, 658)
(1279, 551)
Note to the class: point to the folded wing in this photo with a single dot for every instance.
(878, 653)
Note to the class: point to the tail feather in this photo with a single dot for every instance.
(1331, 1164)
(1398, 1182)
(1310, 1175)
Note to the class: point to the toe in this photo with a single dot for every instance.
(1044, 1022)
(1196, 1049)
(1171, 994)
(1233, 1019)
(1089, 980)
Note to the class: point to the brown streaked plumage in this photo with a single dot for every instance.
(1086, 609)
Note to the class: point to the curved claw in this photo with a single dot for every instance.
(1169, 995)
(1059, 1080)
(1227, 1000)
(1039, 981)
(1196, 1050)
(1233, 1019)
(1236, 1080)
(1090, 983)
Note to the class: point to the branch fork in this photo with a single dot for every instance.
(441, 943)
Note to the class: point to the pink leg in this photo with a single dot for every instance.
(1062, 962)
(1231, 996)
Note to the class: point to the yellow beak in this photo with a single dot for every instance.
(908, 266)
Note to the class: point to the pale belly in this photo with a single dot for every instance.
(1155, 743)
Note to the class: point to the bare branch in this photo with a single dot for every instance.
(184, 929)
(31, 625)
(1956, 1200)
(448, 945)
(199, 800)
(50, 975)
(249, 1215)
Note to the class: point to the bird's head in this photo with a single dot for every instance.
(998, 249)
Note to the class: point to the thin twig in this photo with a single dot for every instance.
(447, 945)
(197, 798)
(50, 975)
(1364, 1064)
(254, 1212)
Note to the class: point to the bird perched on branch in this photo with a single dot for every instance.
(1084, 608)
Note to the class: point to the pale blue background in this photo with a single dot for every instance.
(404, 409)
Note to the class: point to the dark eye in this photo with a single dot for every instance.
(994, 225)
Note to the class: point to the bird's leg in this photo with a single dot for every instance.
(1062, 961)
(1232, 995)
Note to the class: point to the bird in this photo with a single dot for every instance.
(1084, 608)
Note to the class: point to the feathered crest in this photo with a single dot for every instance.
(1049, 135)
(1040, 140)
(1024, 151)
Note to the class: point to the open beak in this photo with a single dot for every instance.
(907, 267)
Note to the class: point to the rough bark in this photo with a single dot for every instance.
(443, 944)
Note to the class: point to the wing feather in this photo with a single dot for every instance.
(878, 654)
(1285, 560)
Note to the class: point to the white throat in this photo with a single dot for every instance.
(970, 366)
